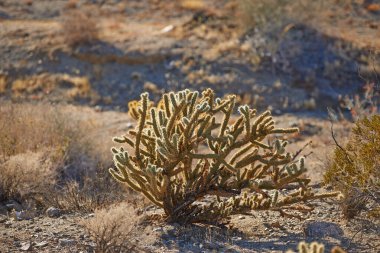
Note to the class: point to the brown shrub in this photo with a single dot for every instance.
(34, 143)
(261, 13)
(112, 229)
(93, 191)
(26, 174)
(79, 28)
(48, 156)
(25, 127)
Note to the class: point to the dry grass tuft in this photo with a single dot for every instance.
(35, 142)
(79, 28)
(48, 157)
(26, 127)
(112, 229)
(91, 192)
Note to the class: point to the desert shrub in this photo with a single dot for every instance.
(25, 175)
(263, 14)
(33, 127)
(34, 143)
(112, 228)
(362, 105)
(91, 192)
(197, 163)
(46, 157)
(355, 168)
(78, 28)
(315, 247)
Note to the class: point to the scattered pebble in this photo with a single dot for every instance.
(26, 246)
(66, 242)
(42, 244)
(53, 212)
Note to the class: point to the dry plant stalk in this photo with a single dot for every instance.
(198, 168)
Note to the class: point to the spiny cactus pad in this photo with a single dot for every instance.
(191, 158)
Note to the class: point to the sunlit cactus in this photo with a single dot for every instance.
(191, 157)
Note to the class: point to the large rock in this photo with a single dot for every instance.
(321, 229)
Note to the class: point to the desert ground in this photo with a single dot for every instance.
(69, 69)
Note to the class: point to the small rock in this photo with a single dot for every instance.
(26, 246)
(13, 205)
(53, 212)
(241, 217)
(320, 229)
(38, 230)
(25, 215)
(167, 29)
(136, 76)
(3, 218)
(42, 244)
(98, 108)
(236, 238)
(8, 223)
(158, 229)
(66, 242)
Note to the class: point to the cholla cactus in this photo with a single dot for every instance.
(198, 164)
(315, 247)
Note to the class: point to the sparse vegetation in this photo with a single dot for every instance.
(86, 194)
(355, 168)
(185, 154)
(112, 228)
(261, 14)
(78, 28)
(362, 106)
(44, 157)
(32, 145)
